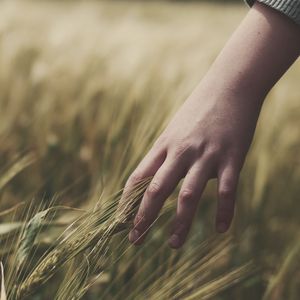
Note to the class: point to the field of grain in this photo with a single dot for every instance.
(85, 87)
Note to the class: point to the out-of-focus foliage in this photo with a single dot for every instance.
(85, 87)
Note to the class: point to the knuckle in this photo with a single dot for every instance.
(188, 149)
(182, 149)
(154, 189)
(186, 196)
(214, 150)
(135, 178)
(160, 142)
(226, 193)
(200, 147)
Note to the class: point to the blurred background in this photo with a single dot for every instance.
(86, 86)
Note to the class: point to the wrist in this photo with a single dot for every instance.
(229, 90)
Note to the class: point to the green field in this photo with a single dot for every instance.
(85, 88)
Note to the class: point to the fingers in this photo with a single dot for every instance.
(189, 196)
(227, 186)
(160, 188)
(167, 172)
(147, 168)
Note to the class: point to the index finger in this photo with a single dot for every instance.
(147, 168)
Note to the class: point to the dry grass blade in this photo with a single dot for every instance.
(11, 209)
(9, 229)
(190, 278)
(2, 286)
(181, 275)
(16, 168)
(221, 283)
(277, 284)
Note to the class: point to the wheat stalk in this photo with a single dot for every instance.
(84, 236)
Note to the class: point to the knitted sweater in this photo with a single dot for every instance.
(291, 8)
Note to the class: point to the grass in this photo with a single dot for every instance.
(85, 87)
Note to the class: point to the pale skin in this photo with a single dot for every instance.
(211, 133)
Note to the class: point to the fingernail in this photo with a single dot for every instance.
(133, 235)
(222, 227)
(174, 241)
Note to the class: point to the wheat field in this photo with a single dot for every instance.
(85, 88)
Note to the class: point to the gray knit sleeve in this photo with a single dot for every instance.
(290, 8)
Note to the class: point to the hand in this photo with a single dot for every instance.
(207, 138)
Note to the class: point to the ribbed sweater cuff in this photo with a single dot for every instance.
(291, 8)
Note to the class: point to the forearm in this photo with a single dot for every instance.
(260, 51)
